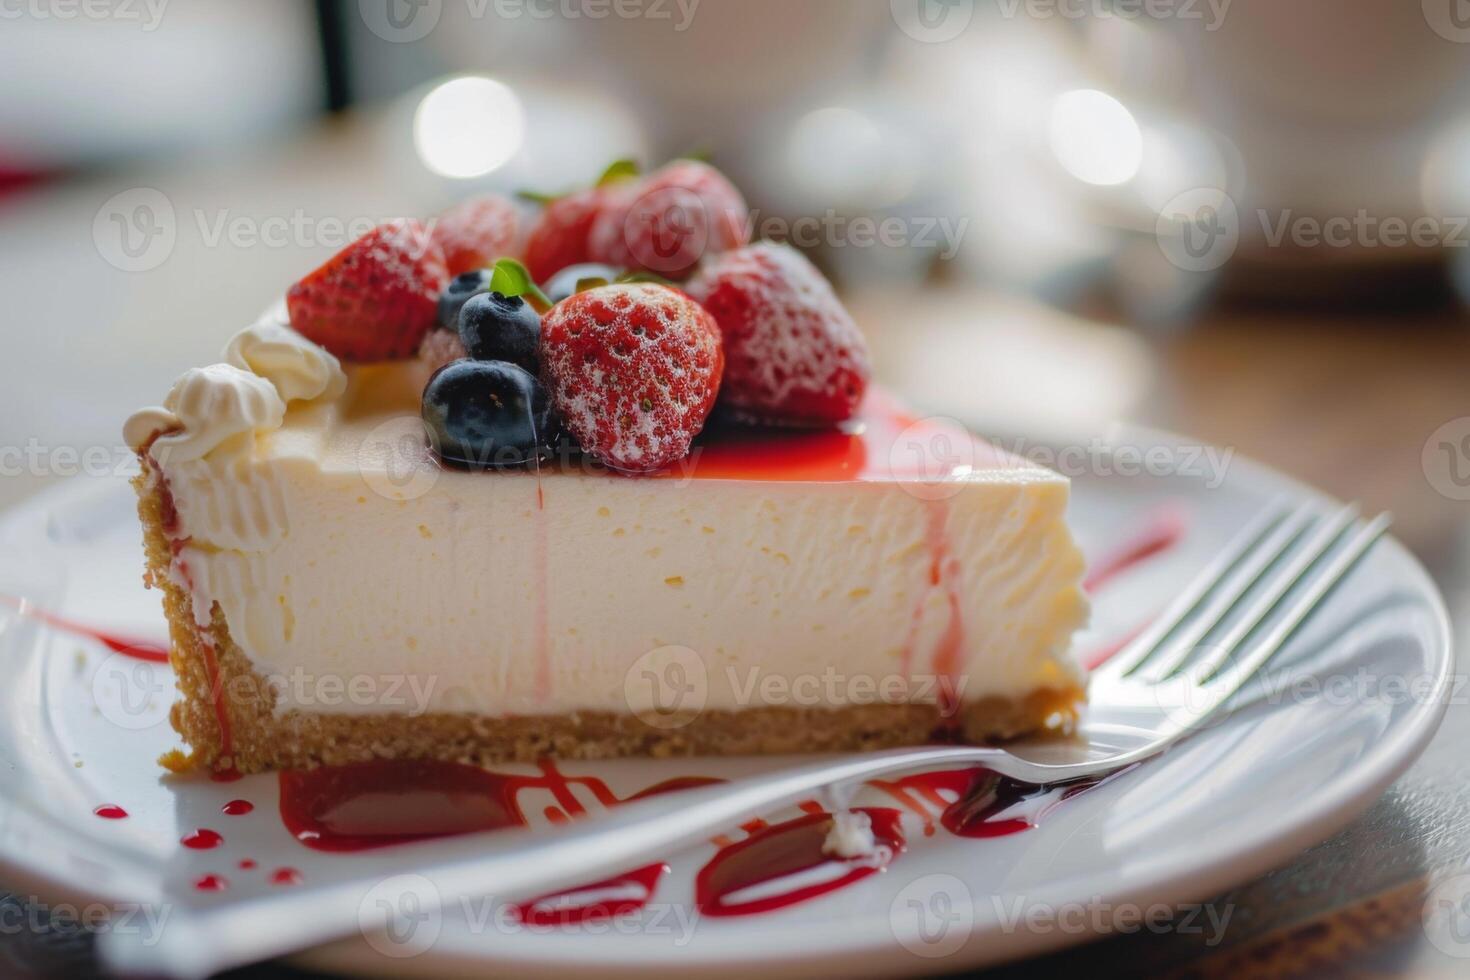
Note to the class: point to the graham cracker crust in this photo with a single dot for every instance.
(227, 718)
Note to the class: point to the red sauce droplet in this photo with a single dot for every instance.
(285, 876)
(212, 883)
(202, 839)
(237, 808)
(784, 863)
(229, 775)
(110, 811)
(247, 864)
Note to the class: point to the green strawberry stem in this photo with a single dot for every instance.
(618, 170)
(510, 278)
(614, 172)
(642, 276)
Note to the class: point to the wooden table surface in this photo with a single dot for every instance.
(1344, 402)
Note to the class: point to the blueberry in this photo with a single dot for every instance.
(564, 283)
(461, 288)
(486, 414)
(500, 328)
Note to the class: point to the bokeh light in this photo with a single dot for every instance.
(468, 126)
(1095, 138)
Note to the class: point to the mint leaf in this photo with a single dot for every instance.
(538, 197)
(591, 282)
(618, 170)
(510, 278)
(641, 276)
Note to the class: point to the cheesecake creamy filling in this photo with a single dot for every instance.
(360, 577)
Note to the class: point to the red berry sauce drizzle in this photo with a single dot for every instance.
(378, 804)
(1165, 528)
(177, 542)
(127, 646)
(375, 804)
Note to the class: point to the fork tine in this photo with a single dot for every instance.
(1126, 660)
(1275, 590)
(1224, 683)
(1181, 645)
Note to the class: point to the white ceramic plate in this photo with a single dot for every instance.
(77, 730)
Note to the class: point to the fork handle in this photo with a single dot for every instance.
(513, 865)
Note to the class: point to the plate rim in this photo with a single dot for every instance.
(1212, 866)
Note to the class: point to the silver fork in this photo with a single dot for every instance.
(1253, 596)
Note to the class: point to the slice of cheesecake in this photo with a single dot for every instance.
(335, 594)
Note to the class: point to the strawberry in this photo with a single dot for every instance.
(794, 355)
(633, 370)
(476, 232)
(559, 237)
(668, 221)
(375, 299)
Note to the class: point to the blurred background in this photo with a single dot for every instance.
(1227, 216)
(1242, 219)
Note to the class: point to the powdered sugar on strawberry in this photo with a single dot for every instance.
(633, 369)
(666, 222)
(476, 232)
(793, 353)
